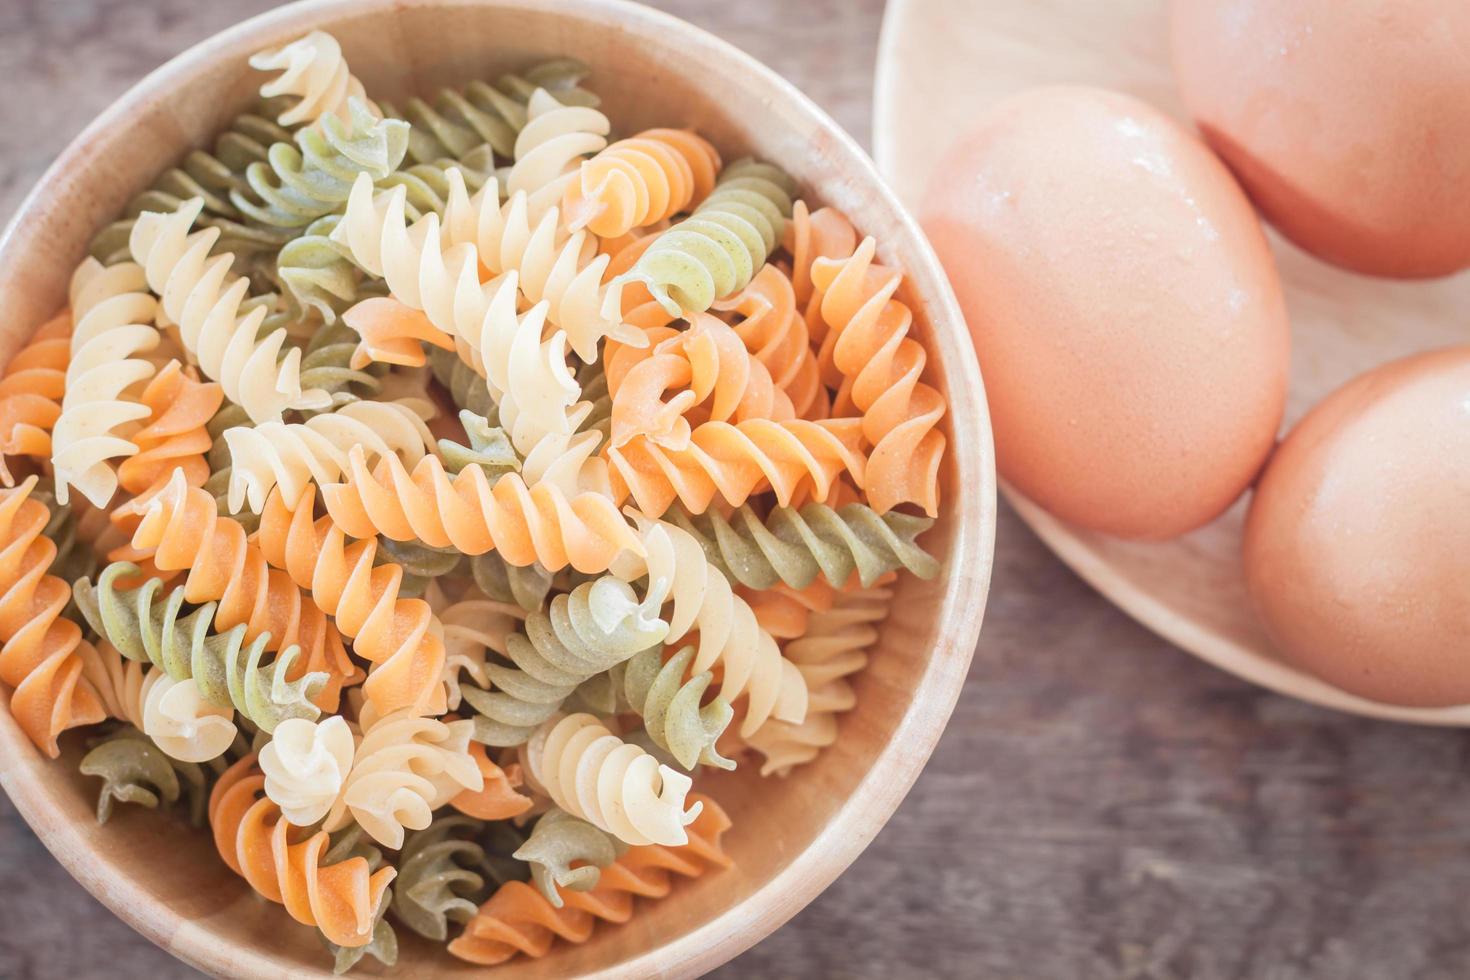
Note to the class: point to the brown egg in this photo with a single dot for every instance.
(1346, 120)
(1124, 304)
(1357, 547)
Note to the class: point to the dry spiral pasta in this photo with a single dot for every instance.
(136, 772)
(442, 875)
(114, 326)
(718, 249)
(148, 625)
(567, 852)
(255, 840)
(30, 393)
(551, 147)
(198, 295)
(882, 369)
(774, 330)
(641, 180)
(794, 546)
(519, 920)
(581, 634)
(701, 599)
(314, 73)
(593, 774)
(292, 455)
(671, 708)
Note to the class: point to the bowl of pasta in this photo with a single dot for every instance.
(484, 482)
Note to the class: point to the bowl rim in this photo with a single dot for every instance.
(960, 608)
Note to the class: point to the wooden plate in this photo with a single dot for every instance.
(791, 836)
(942, 62)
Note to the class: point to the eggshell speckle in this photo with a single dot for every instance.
(1124, 305)
(1357, 546)
(1346, 120)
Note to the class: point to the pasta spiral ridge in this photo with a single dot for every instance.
(718, 249)
(559, 841)
(400, 636)
(176, 437)
(210, 176)
(41, 656)
(406, 767)
(641, 180)
(581, 634)
(473, 629)
(792, 457)
(670, 706)
(292, 454)
(459, 120)
(182, 529)
(706, 374)
(882, 367)
(149, 626)
(340, 898)
(114, 325)
(440, 877)
(31, 390)
(834, 648)
(198, 295)
(314, 73)
(135, 771)
(774, 330)
(551, 147)
(795, 546)
(519, 920)
(593, 774)
(701, 599)
(526, 524)
(309, 177)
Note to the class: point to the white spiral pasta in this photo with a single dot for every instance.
(527, 376)
(293, 454)
(562, 268)
(182, 722)
(305, 764)
(113, 316)
(550, 148)
(200, 295)
(613, 785)
(314, 72)
(679, 572)
(406, 768)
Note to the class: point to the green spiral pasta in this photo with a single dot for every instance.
(211, 176)
(426, 185)
(795, 546)
(670, 706)
(717, 249)
(559, 841)
(383, 947)
(134, 770)
(312, 270)
(486, 446)
(147, 626)
(467, 389)
(580, 634)
(302, 180)
(460, 120)
(526, 586)
(441, 877)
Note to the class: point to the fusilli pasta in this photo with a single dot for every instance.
(314, 73)
(639, 181)
(31, 390)
(567, 852)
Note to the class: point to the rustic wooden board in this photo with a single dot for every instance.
(1101, 805)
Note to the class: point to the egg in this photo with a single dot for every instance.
(1124, 305)
(1345, 120)
(1357, 543)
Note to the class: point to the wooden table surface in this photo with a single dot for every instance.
(1102, 804)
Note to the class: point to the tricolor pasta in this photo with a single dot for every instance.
(436, 493)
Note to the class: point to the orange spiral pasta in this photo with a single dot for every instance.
(712, 375)
(283, 864)
(525, 524)
(640, 180)
(401, 636)
(812, 235)
(881, 367)
(175, 435)
(31, 391)
(518, 919)
(182, 529)
(498, 799)
(776, 333)
(41, 659)
(789, 457)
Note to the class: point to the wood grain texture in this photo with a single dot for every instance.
(1101, 805)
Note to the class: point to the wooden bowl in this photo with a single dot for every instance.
(942, 62)
(791, 837)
